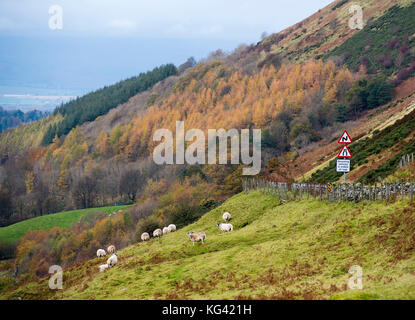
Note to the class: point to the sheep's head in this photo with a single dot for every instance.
(190, 233)
(219, 224)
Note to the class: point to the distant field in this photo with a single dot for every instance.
(15, 231)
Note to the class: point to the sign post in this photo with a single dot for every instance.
(343, 163)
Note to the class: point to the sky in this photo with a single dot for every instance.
(103, 41)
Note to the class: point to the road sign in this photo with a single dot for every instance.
(330, 187)
(344, 152)
(345, 138)
(343, 165)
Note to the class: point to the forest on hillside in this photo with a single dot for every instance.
(98, 103)
(12, 118)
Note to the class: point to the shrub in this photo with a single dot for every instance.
(148, 224)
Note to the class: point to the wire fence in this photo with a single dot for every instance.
(333, 191)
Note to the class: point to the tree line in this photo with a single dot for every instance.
(97, 103)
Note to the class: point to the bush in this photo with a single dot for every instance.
(7, 250)
(148, 224)
(184, 215)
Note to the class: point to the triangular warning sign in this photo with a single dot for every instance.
(344, 153)
(345, 138)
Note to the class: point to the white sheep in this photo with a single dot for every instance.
(157, 233)
(226, 216)
(145, 236)
(101, 253)
(113, 260)
(111, 249)
(103, 267)
(196, 237)
(172, 227)
(225, 227)
(166, 230)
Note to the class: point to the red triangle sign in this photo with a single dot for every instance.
(344, 152)
(345, 138)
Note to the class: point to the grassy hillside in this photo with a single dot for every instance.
(382, 45)
(323, 31)
(65, 219)
(295, 250)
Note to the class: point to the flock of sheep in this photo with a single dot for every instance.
(112, 261)
(194, 237)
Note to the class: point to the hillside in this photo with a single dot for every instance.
(323, 31)
(296, 250)
(381, 138)
(302, 87)
(61, 219)
(11, 235)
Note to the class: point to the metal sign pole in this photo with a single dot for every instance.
(345, 177)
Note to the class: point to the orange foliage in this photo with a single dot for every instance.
(236, 101)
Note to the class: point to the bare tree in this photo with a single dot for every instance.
(131, 181)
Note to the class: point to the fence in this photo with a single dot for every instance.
(332, 191)
(407, 159)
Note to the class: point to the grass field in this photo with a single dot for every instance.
(297, 250)
(15, 231)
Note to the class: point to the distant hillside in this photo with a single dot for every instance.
(12, 118)
(298, 250)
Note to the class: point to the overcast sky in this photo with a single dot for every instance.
(103, 41)
(216, 19)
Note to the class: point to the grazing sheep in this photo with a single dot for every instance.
(157, 233)
(225, 227)
(145, 236)
(112, 261)
(101, 253)
(226, 216)
(196, 237)
(111, 249)
(166, 230)
(172, 227)
(103, 267)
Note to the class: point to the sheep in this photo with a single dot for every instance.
(112, 261)
(145, 236)
(166, 230)
(196, 237)
(172, 227)
(225, 227)
(157, 233)
(101, 253)
(111, 249)
(103, 267)
(226, 216)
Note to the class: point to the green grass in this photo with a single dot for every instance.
(298, 250)
(65, 219)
